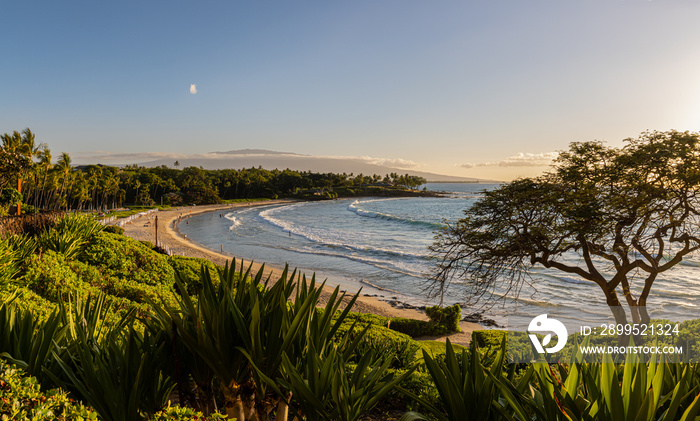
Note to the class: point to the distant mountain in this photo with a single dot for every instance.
(255, 152)
(246, 158)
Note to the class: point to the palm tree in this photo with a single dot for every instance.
(45, 164)
(64, 167)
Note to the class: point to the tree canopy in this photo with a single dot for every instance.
(65, 186)
(628, 213)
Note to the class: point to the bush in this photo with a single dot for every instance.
(24, 246)
(400, 348)
(50, 276)
(22, 399)
(69, 237)
(489, 338)
(189, 269)
(417, 328)
(122, 257)
(123, 294)
(114, 229)
(447, 317)
(420, 384)
(8, 262)
(28, 300)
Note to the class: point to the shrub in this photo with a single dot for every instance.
(189, 269)
(488, 338)
(419, 384)
(28, 300)
(114, 229)
(69, 237)
(400, 348)
(121, 293)
(122, 257)
(9, 197)
(24, 246)
(22, 399)
(448, 316)
(417, 328)
(8, 262)
(50, 276)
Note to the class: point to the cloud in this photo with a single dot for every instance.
(391, 162)
(520, 160)
(398, 163)
(193, 89)
(118, 158)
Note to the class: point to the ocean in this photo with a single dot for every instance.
(381, 246)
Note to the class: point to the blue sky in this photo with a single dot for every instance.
(487, 89)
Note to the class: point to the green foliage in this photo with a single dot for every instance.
(50, 276)
(598, 202)
(609, 391)
(471, 385)
(8, 262)
(117, 369)
(411, 327)
(24, 246)
(123, 294)
(27, 342)
(53, 278)
(9, 197)
(28, 300)
(417, 328)
(325, 390)
(689, 335)
(242, 329)
(399, 349)
(447, 317)
(122, 257)
(114, 229)
(181, 413)
(23, 399)
(418, 384)
(189, 268)
(70, 235)
(489, 338)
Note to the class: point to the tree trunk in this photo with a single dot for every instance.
(282, 412)
(233, 402)
(619, 313)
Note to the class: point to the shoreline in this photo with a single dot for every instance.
(143, 228)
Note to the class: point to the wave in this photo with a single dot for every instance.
(328, 237)
(389, 217)
(368, 283)
(393, 265)
(235, 222)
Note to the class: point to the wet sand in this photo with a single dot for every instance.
(144, 228)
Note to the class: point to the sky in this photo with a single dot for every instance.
(489, 89)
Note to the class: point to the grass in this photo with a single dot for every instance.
(264, 199)
(133, 210)
(435, 347)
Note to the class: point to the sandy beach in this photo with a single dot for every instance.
(144, 228)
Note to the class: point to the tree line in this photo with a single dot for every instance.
(29, 166)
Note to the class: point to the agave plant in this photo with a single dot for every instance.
(117, 370)
(472, 386)
(70, 235)
(242, 329)
(8, 262)
(326, 388)
(23, 246)
(27, 343)
(631, 390)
